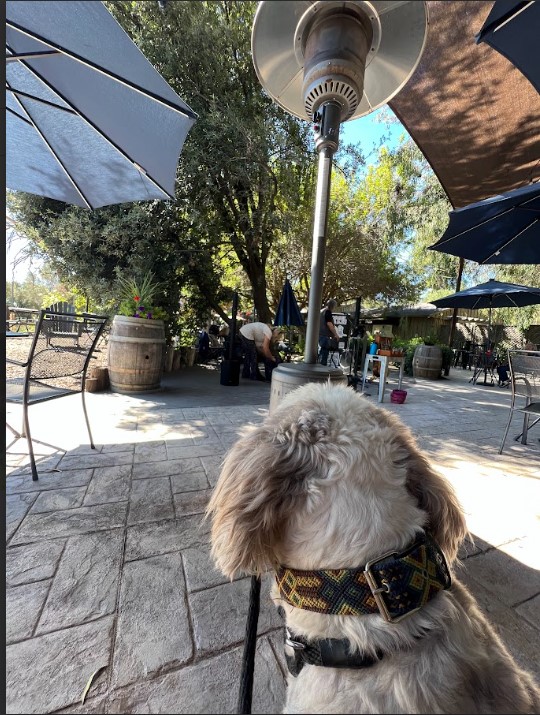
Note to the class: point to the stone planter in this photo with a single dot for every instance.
(136, 354)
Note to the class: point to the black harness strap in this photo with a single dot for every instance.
(328, 652)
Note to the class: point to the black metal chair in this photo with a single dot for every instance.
(525, 382)
(55, 367)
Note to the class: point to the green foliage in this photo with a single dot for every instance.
(409, 347)
(447, 356)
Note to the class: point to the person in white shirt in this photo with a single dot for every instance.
(257, 341)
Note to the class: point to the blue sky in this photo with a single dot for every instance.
(368, 131)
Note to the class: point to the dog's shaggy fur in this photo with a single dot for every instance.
(330, 481)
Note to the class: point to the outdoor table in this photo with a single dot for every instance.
(21, 316)
(384, 361)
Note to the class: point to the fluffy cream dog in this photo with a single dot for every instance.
(327, 483)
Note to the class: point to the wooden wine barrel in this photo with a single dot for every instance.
(136, 354)
(427, 362)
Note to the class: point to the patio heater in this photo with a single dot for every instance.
(327, 62)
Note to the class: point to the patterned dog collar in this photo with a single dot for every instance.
(395, 585)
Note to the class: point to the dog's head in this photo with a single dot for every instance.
(327, 481)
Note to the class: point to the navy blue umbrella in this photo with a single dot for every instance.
(492, 294)
(288, 312)
(513, 29)
(502, 229)
(89, 121)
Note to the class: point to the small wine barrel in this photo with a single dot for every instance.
(427, 362)
(136, 354)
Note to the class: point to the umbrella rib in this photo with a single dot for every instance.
(38, 99)
(49, 147)
(82, 116)
(30, 55)
(121, 80)
(504, 245)
(8, 109)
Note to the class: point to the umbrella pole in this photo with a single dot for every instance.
(327, 143)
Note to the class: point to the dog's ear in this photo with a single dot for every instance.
(435, 495)
(262, 479)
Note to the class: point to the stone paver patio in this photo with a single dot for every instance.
(107, 555)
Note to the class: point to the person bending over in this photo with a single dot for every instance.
(257, 340)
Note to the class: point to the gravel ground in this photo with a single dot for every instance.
(18, 348)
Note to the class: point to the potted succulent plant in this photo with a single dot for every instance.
(137, 340)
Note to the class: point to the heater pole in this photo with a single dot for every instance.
(327, 141)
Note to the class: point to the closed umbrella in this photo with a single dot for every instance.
(89, 121)
(513, 28)
(501, 229)
(288, 312)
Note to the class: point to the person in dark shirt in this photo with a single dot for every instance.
(327, 331)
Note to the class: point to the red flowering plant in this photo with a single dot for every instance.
(138, 297)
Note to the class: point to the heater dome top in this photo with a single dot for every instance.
(360, 79)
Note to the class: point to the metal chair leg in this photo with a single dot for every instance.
(29, 441)
(86, 416)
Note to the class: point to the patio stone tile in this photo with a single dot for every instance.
(44, 464)
(70, 522)
(153, 632)
(227, 440)
(219, 614)
(189, 451)
(48, 480)
(66, 661)
(166, 468)
(86, 583)
(151, 539)
(212, 467)
(210, 686)
(23, 606)
(526, 551)
(511, 581)
(189, 482)
(118, 447)
(150, 452)
(188, 503)
(200, 571)
(150, 500)
(54, 499)
(207, 687)
(17, 505)
(109, 484)
(530, 611)
(32, 562)
(472, 547)
(91, 706)
(269, 687)
(101, 459)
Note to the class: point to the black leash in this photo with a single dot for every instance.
(250, 642)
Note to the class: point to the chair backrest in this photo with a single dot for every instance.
(60, 324)
(525, 373)
(54, 354)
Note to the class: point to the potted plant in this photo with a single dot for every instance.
(137, 340)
